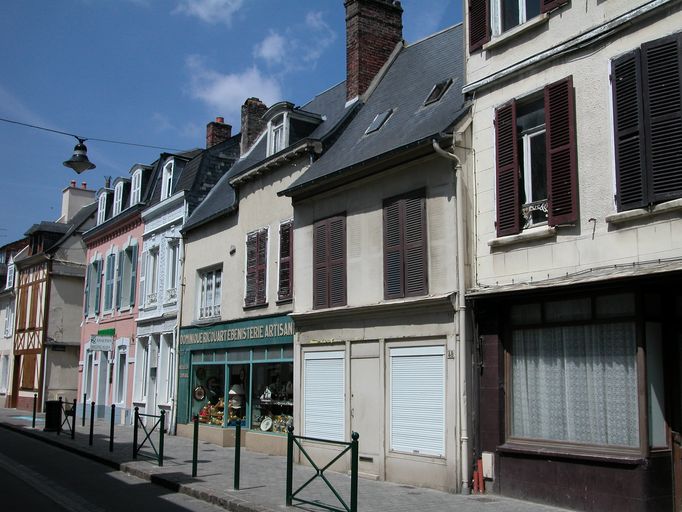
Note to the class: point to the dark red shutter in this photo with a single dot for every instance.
(548, 5)
(415, 245)
(661, 63)
(507, 167)
(629, 133)
(393, 250)
(320, 265)
(262, 266)
(251, 269)
(562, 168)
(337, 261)
(285, 288)
(479, 23)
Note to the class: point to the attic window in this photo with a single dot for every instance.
(437, 92)
(118, 198)
(379, 121)
(278, 134)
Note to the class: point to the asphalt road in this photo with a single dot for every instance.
(35, 476)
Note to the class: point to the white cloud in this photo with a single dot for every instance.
(323, 36)
(227, 92)
(210, 11)
(272, 49)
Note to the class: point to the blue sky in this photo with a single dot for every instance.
(153, 72)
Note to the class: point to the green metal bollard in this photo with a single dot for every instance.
(85, 396)
(111, 428)
(92, 421)
(137, 419)
(162, 426)
(61, 408)
(73, 420)
(237, 453)
(195, 446)
(354, 472)
(290, 463)
(35, 405)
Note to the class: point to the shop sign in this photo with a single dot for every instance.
(101, 343)
(240, 331)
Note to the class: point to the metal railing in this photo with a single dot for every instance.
(68, 411)
(160, 423)
(292, 495)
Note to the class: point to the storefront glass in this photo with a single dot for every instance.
(272, 396)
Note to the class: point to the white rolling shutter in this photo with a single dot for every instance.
(418, 400)
(323, 396)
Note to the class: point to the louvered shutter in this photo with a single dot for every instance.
(562, 172)
(548, 5)
(393, 250)
(629, 132)
(119, 271)
(251, 268)
(320, 264)
(86, 294)
(661, 63)
(133, 274)
(507, 167)
(337, 261)
(143, 270)
(262, 267)
(98, 285)
(285, 287)
(324, 395)
(479, 23)
(418, 374)
(415, 245)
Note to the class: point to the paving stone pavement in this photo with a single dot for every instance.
(262, 477)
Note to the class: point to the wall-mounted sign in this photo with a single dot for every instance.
(101, 342)
(278, 329)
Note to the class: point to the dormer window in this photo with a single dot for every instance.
(136, 187)
(102, 208)
(278, 134)
(118, 198)
(167, 180)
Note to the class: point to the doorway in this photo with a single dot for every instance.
(367, 412)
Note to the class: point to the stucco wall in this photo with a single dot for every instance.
(66, 309)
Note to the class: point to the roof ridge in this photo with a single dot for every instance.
(425, 38)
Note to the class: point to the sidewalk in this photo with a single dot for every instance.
(262, 477)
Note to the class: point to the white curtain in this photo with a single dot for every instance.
(576, 384)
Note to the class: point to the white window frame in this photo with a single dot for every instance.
(152, 277)
(102, 208)
(88, 372)
(526, 139)
(118, 198)
(109, 292)
(10, 274)
(209, 308)
(172, 268)
(120, 390)
(9, 320)
(142, 368)
(136, 187)
(165, 372)
(167, 179)
(496, 16)
(4, 373)
(278, 133)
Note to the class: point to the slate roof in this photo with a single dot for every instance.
(407, 83)
(48, 226)
(222, 199)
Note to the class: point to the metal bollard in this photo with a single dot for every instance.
(195, 446)
(61, 408)
(290, 463)
(137, 420)
(73, 420)
(354, 472)
(84, 398)
(92, 420)
(111, 428)
(237, 453)
(35, 405)
(162, 426)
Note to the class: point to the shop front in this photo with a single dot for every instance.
(238, 373)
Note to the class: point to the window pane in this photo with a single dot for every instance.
(208, 393)
(532, 9)
(524, 314)
(272, 396)
(610, 306)
(538, 161)
(576, 384)
(654, 370)
(510, 14)
(566, 310)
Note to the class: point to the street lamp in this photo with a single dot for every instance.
(79, 161)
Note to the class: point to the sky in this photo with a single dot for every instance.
(153, 72)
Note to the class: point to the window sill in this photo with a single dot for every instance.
(206, 321)
(285, 301)
(527, 235)
(575, 453)
(256, 306)
(644, 213)
(503, 38)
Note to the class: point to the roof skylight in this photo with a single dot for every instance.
(379, 121)
(438, 91)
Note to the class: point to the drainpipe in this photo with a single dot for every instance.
(462, 321)
(173, 427)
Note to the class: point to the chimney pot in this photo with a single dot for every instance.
(73, 183)
(219, 119)
(84, 185)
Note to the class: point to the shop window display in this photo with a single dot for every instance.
(272, 397)
(209, 394)
(236, 402)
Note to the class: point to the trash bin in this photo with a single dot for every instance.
(53, 415)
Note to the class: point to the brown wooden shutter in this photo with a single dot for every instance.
(28, 371)
(548, 5)
(629, 133)
(507, 157)
(251, 269)
(562, 169)
(393, 250)
(320, 264)
(479, 23)
(661, 63)
(285, 287)
(415, 245)
(262, 266)
(337, 261)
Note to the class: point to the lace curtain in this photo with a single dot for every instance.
(576, 384)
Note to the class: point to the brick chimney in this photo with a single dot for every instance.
(217, 131)
(373, 28)
(252, 122)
